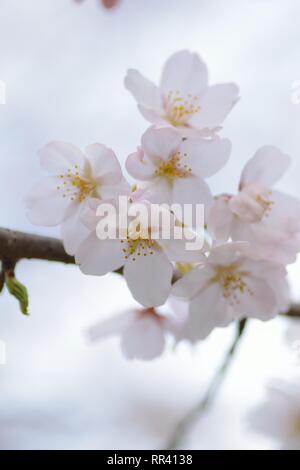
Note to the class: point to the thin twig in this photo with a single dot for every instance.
(184, 425)
(15, 246)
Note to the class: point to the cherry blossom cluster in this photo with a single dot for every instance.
(250, 236)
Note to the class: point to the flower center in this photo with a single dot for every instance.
(179, 108)
(232, 283)
(75, 185)
(265, 204)
(138, 247)
(173, 168)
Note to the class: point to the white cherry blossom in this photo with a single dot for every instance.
(172, 170)
(279, 416)
(145, 254)
(142, 331)
(75, 177)
(229, 285)
(183, 99)
(268, 219)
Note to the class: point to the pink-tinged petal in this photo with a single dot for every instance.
(152, 116)
(176, 250)
(113, 191)
(282, 291)
(143, 338)
(88, 215)
(99, 257)
(228, 253)
(139, 166)
(186, 72)
(258, 300)
(267, 242)
(143, 90)
(194, 133)
(215, 104)
(263, 268)
(73, 231)
(247, 204)
(206, 157)
(220, 220)
(58, 157)
(45, 203)
(284, 206)
(110, 326)
(149, 278)
(104, 164)
(193, 282)
(158, 191)
(276, 416)
(266, 167)
(160, 143)
(203, 313)
(192, 190)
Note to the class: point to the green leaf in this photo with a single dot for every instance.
(17, 290)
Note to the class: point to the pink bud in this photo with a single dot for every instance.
(109, 3)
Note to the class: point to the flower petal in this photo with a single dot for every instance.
(139, 166)
(104, 164)
(158, 191)
(206, 157)
(215, 104)
(160, 143)
(228, 253)
(284, 206)
(186, 72)
(143, 90)
(110, 326)
(192, 282)
(192, 190)
(176, 250)
(113, 191)
(46, 204)
(258, 300)
(149, 278)
(57, 157)
(143, 338)
(73, 231)
(204, 314)
(99, 257)
(154, 117)
(220, 220)
(266, 167)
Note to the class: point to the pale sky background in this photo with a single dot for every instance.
(64, 66)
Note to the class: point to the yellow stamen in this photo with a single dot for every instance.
(232, 282)
(76, 186)
(179, 108)
(173, 168)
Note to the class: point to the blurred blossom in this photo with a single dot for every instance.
(109, 4)
(279, 415)
(142, 331)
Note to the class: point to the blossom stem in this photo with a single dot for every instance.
(186, 423)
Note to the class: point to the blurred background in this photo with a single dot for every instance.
(63, 63)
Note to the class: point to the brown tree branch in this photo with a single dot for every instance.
(15, 246)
